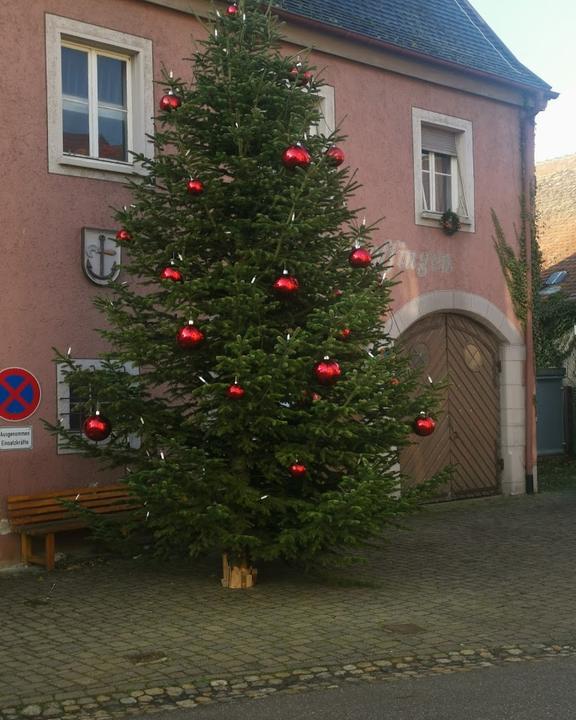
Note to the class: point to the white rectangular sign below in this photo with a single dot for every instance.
(15, 438)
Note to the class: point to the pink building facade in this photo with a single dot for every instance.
(402, 110)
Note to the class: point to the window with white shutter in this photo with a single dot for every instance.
(443, 168)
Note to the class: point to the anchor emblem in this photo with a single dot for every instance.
(101, 255)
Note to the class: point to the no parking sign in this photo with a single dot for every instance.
(19, 394)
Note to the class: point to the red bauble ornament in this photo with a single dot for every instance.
(302, 77)
(298, 470)
(123, 235)
(344, 334)
(337, 292)
(170, 102)
(360, 258)
(335, 155)
(327, 371)
(96, 427)
(235, 391)
(296, 156)
(394, 381)
(190, 337)
(171, 273)
(424, 425)
(195, 186)
(286, 285)
(232, 10)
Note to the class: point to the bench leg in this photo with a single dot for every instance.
(25, 548)
(50, 548)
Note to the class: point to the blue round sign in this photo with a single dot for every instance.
(19, 394)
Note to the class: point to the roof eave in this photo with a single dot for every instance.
(544, 93)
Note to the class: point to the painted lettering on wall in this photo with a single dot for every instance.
(422, 263)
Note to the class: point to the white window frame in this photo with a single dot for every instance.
(63, 401)
(137, 51)
(462, 167)
(326, 104)
(93, 104)
(454, 192)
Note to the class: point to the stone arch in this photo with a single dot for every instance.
(512, 355)
(482, 310)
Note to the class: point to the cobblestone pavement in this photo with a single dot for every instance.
(471, 583)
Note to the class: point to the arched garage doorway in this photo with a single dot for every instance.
(459, 349)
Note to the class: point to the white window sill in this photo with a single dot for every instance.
(432, 215)
(82, 166)
(430, 218)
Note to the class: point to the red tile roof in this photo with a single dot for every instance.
(556, 208)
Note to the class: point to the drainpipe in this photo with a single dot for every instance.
(527, 170)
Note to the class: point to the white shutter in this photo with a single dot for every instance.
(435, 139)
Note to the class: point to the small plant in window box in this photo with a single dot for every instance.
(450, 222)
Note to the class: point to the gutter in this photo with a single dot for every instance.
(527, 127)
(541, 92)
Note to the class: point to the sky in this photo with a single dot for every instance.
(542, 35)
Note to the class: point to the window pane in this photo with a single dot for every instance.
(112, 134)
(77, 410)
(426, 189)
(111, 81)
(74, 73)
(443, 193)
(425, 160)
(443, 163)
(75, 124)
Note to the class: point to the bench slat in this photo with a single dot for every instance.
(83, 498)
(68, 491)
(46, 510)
(63, 514)
(58, 526)
(95, 505)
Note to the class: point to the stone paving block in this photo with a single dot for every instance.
(465, 575)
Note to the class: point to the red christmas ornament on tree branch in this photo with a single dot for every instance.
(344, 334)
(189, 337)
(123, 235)
(424, 425)
(170, 101)
(195, 187)
(302, 77)
(235, 391)
(296, 156)
(335, 156)
(286, 285)
(232, 10)
(360, 258)
(298, 470)
(171, 273)
(327, 371)
(96, 427)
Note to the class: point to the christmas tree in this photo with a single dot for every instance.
(269, 405)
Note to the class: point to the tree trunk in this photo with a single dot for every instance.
(238, 576)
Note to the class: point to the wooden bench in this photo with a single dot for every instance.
(45, 515)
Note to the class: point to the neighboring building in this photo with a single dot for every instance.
(556, 213)
(438, 114)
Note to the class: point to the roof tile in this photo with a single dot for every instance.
(448, 30)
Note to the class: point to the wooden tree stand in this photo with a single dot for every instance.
(237, 577)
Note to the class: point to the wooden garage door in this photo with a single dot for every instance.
(467, 436)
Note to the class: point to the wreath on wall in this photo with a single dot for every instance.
(450, 222)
